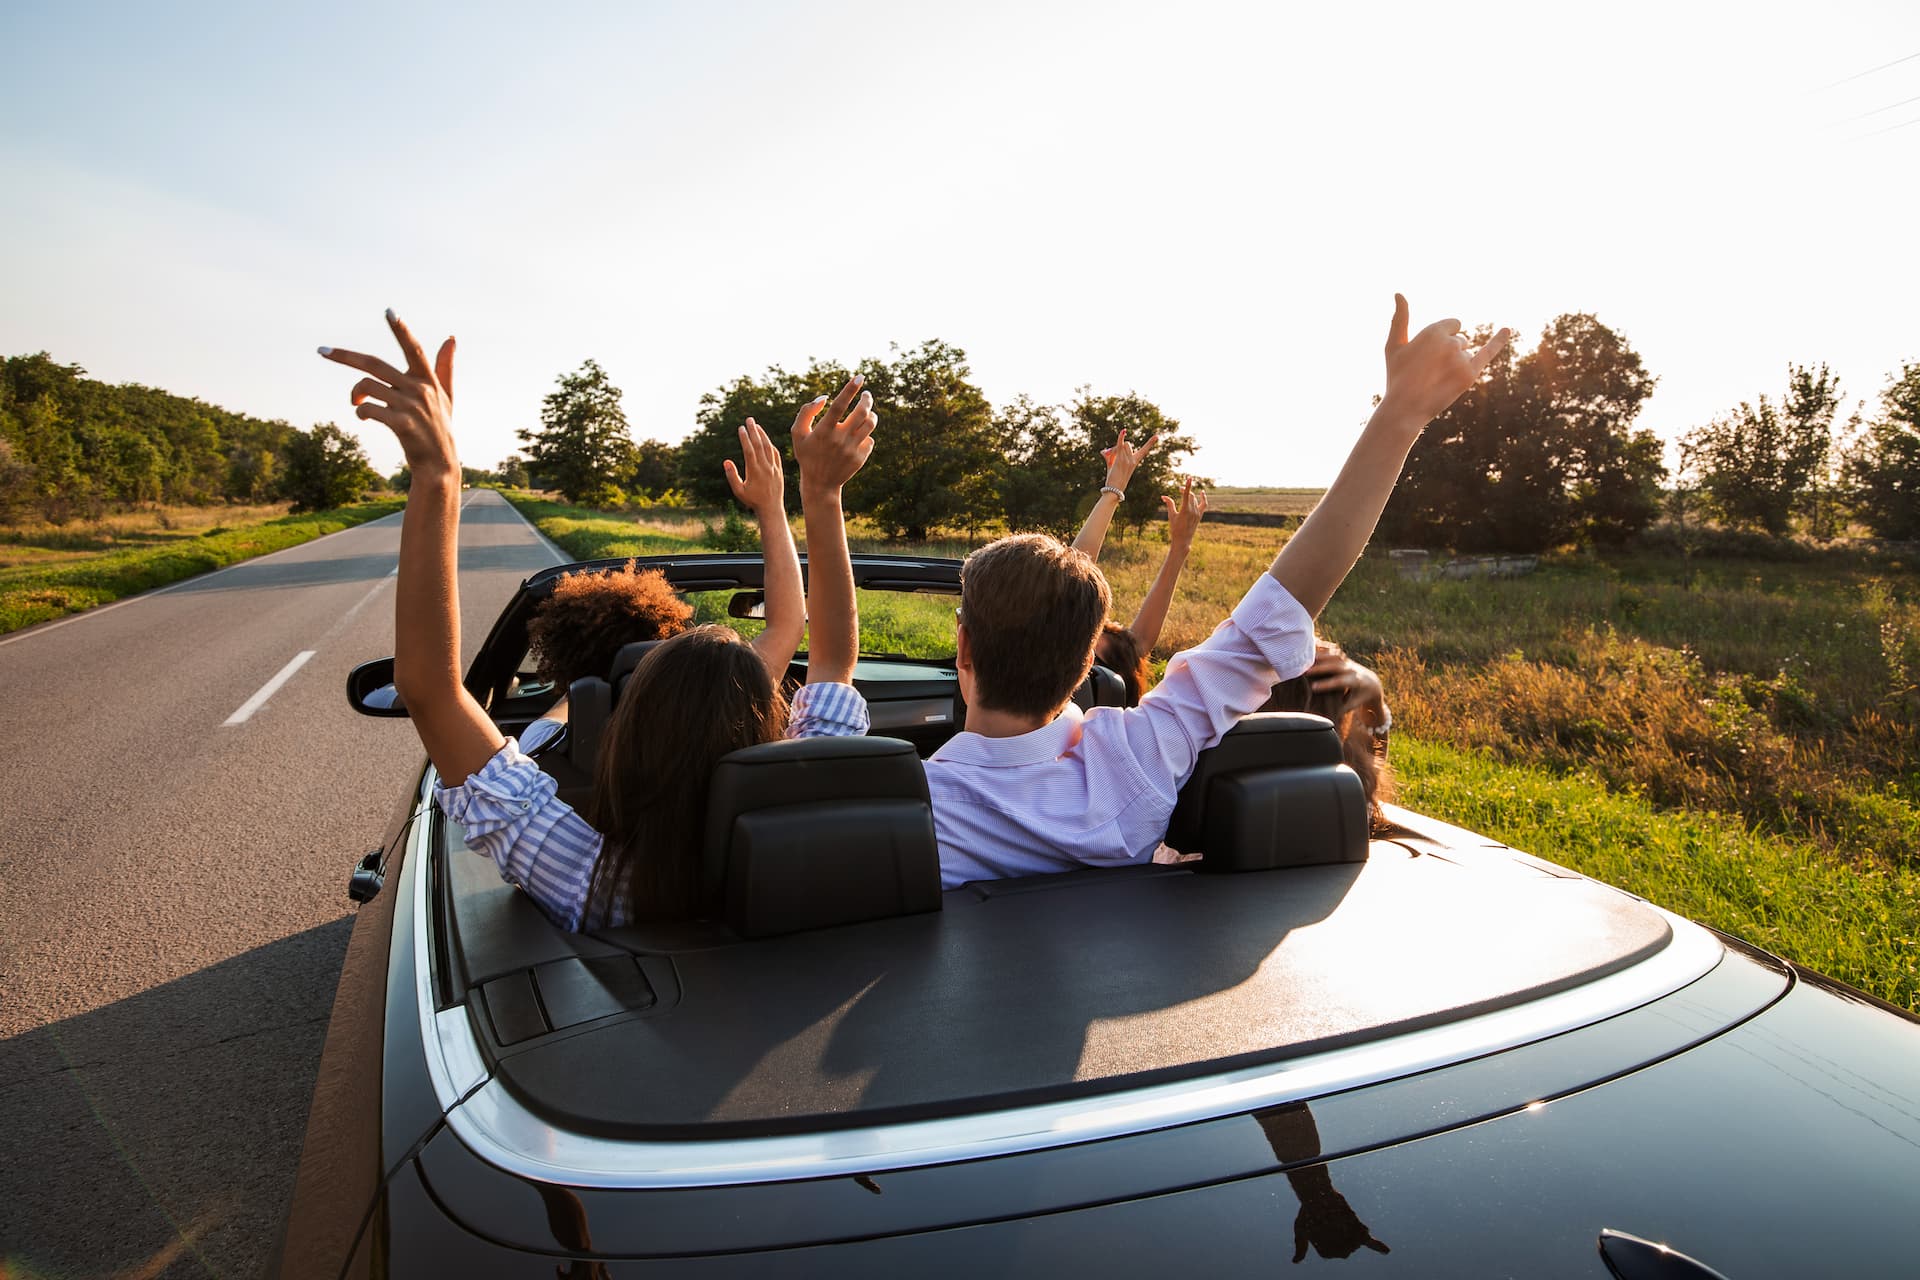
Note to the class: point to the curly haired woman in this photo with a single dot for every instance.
(588, 619)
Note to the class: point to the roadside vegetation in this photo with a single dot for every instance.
(1733, 739)
(48, 571)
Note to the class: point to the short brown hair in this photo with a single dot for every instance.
(1032, 608)
(576, 631)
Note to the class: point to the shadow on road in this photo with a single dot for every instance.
(160, 1134)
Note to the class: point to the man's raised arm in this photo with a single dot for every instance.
(1424, 376)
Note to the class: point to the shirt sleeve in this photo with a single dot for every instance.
(828, 711)
(538, 735)
(1205, 691)
(510, 812)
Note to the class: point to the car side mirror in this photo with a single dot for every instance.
(747, 604)
(370, 689)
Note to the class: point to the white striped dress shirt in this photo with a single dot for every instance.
(1097, 789)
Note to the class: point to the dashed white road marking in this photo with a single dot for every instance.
(270, 688)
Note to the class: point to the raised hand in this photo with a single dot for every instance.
(1122, 458)
(1334, 672)
(1183, 520)
(1428, 372)
(416, 405)
(759, 483)
(831, 445)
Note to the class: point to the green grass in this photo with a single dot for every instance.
(1858, 922)
(39, 591)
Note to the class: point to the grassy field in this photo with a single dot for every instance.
(1269, 502)
(1734, 739)
(49, 571)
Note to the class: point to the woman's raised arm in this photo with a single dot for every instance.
(1183, 521)
(417, 406)
(761, 486)
(1121, 458)
(829, 452)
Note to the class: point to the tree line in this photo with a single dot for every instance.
(1541, 454)
(73, 446)
(1544, 453)
(953, 460)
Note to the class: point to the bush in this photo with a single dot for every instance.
(734, 534)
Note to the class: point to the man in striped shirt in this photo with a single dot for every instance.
(1034, 785)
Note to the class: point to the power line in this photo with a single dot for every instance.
(1889, 129)
(1869, 71)
(1880, 110)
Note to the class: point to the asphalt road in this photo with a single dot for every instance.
(173, 906)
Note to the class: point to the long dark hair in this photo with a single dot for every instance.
(1118, 650)
(691, 700)
(1358, 747)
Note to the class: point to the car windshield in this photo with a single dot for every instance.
(893, 624)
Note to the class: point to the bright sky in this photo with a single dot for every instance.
(1209, 204)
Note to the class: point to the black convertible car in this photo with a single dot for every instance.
(1419, 1053)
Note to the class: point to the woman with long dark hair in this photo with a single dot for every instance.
(699, 695)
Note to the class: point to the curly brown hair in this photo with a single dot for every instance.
(576, 631)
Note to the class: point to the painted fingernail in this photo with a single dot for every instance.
(326, 351)
(858, 379)
(819, 400)
(390, 316)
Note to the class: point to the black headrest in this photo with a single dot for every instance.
(1272, 793)
(589, 707)
(814, 832)
(1101, 688)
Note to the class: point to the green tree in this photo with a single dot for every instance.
(769, 399)
(937, 430)
(656, 468)
(251, 473)
(1761, 465)
(1043, 470)
(1882, 469)
(513, 471)
(1539, 453)
(324, 468)
(582, 446)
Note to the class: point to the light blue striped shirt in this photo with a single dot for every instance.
(510, 812)
(1097, 789)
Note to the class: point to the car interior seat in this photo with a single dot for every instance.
(1272, 793)
(813, 832)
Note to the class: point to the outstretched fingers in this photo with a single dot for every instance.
(410, 345)
(1486, 355)
(861, 422)
(443, 368)
(803, 418)
(364, 363)
(844, 400)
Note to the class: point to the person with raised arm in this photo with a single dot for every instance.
(1033, 785)
(1126, 650)
(702, 693)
